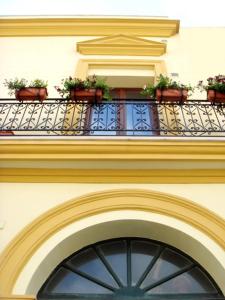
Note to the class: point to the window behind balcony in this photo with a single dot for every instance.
(128, 114)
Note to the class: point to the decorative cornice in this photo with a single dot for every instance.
(121, 45)
(112, 150)
(87, 27)
(200, 156)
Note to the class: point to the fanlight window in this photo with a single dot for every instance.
(130, 268)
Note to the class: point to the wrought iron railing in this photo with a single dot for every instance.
(124, 118)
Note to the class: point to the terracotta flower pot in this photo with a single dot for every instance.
(6, 132)
(31, 93)
(215, 97)
(89, 95)
(171, 95)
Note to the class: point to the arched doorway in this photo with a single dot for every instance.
(129, 268)
(103, 215)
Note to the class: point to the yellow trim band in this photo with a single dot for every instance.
(84, 65)
(57, 175)
(199, 155)
(87, 27)
(20, 250)
(17, 297)
(112, 150)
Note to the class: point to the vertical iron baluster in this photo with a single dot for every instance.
(185, 108)
(10, 106)
(64, 117)
(165, 111)
(73, 114)
(214, 108)
(45, 127)
(41, 109)
(176, 129)
(83, 111)
(207, 111)
(199, 116)
(13, 120)
(54, 123)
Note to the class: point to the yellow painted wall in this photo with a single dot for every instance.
(99, 225)
(48, 58)
(194, 53)
(20, 203)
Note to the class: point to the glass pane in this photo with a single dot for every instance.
(108, 260)
(138, 119)
(168, 263)
(142, 254)
(88, 262)
(104, 119)
(129, 118)
(65, 281)
(192, 282)
(116, 255)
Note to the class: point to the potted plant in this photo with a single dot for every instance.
(215, 88)
(166, 89)
(6, 132)
(35, 90)
(91, 90)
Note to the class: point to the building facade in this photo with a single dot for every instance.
(66, 187)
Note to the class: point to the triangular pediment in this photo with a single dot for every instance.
(121, 45)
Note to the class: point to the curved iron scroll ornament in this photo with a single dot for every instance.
(125, 118)
(131, 268)
(130, 117)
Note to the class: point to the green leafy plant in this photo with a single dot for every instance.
(164, 82)
(94, 82)
(216, 83)
(17, 84)
(38, 83)
(100, 83)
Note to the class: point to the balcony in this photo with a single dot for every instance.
(57, 117)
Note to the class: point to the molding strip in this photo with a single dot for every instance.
(17, 297)
(201, 154)
(37, 175)
(112, 150)
(87, 27)
(83, 66)
(121, 45)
